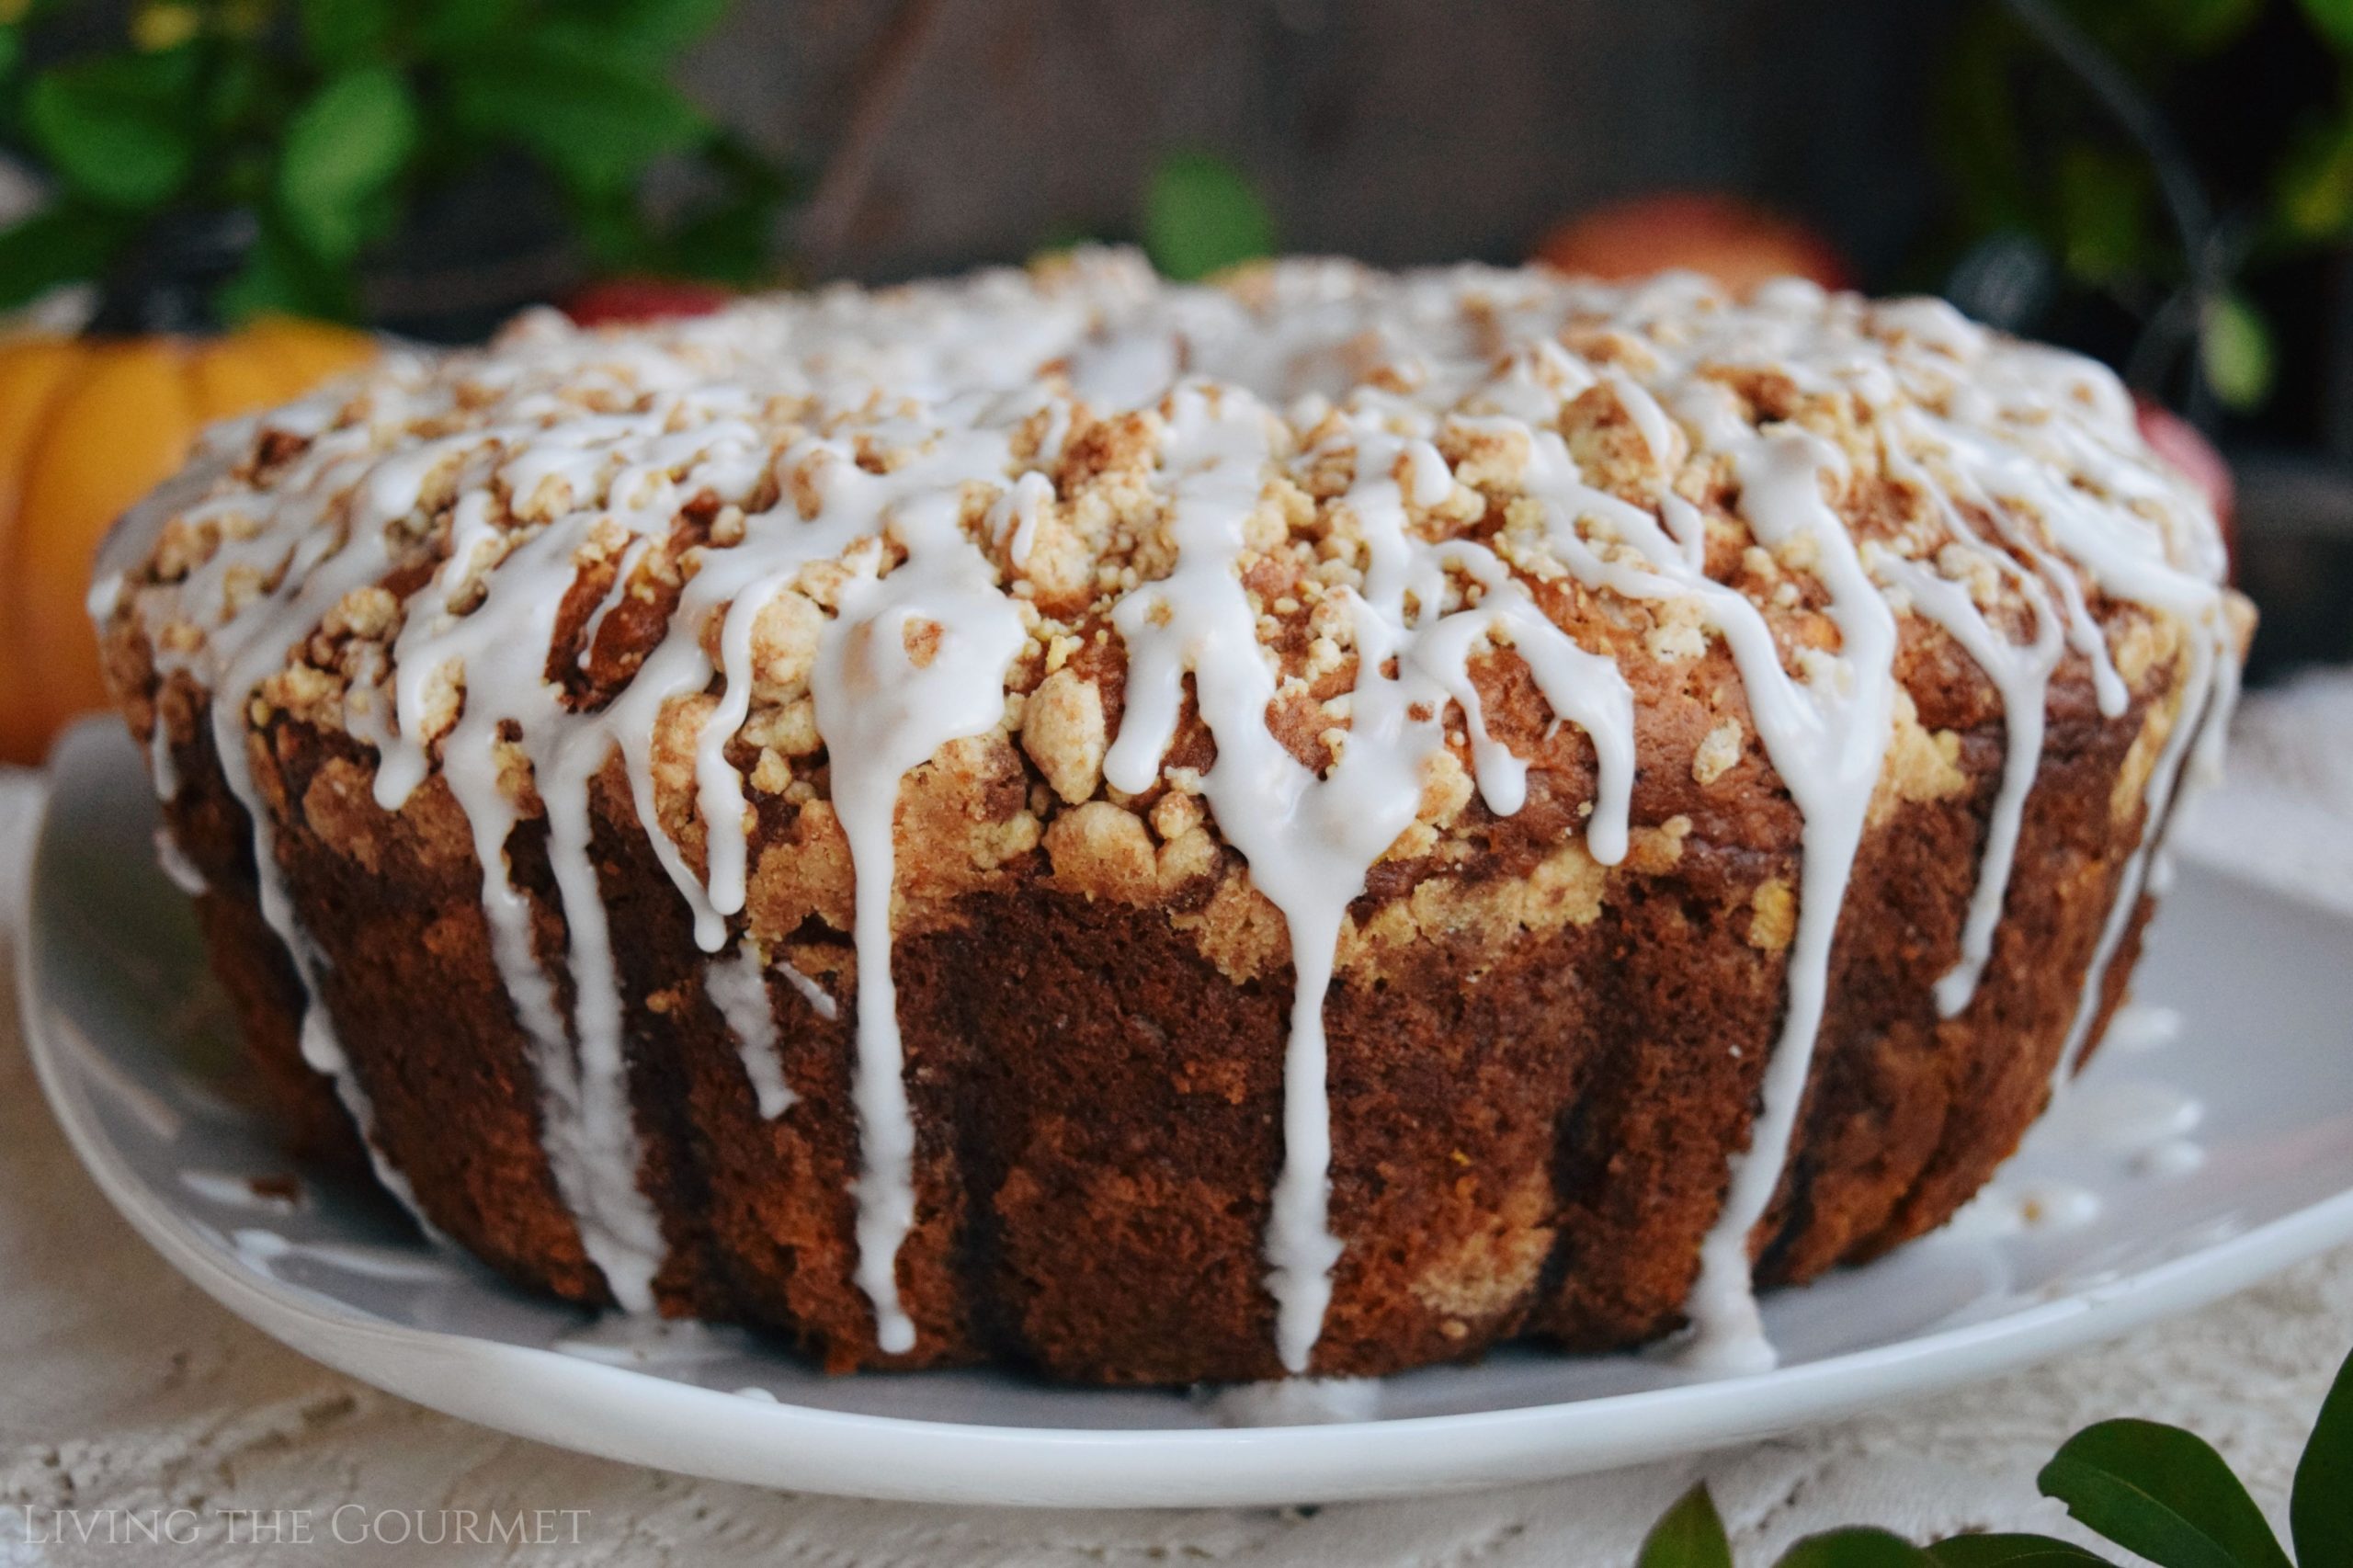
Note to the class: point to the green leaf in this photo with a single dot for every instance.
(728, 230)
(1200, 214)
(656, 27)
(60, 245)
(2102, 206)
(2312, 197)
(2147, 36)
(455, 28)
(238, 91)
(2235, 351)
(2320, 1511)
(729, 241)
(164, 24)
(611, 226)
(116, 128)
(343, 148)
(2002, 1551)
(2333, 18)
(1975, 126)
(1689, 1535)
(1856, 1549)
(2162, 1492)
(595, 119)
(2199, 26)
(345, 34)
(281, 278)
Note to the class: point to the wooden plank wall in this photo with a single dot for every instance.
(1394, 130)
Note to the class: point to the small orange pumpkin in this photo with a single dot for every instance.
(87, 427)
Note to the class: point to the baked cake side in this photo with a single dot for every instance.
(1418, 809)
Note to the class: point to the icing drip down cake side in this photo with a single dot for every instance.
(1159, 834)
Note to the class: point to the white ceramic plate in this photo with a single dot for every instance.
(136, 1051)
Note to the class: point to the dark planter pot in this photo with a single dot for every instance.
(2295, 559)
(474, 254)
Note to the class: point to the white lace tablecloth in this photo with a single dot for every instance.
(125, 1392)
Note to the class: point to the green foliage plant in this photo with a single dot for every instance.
(312, 127)
(2158, 1492)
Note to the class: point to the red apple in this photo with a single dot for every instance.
(1737, 243)
(2178, 441)
(615, 302)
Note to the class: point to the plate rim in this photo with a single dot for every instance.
(632, 1416)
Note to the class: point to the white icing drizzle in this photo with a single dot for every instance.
(558, 453)
(264, 1250)
(882, 715)
(161, 768)
(178, 868)
(2130, 1116)
(821, 1002)
(2003, 1208)
(2198, 726)
(2021, 676)
(629, 1339)
(1292, 1401)
(738, 987)
(1826, 736)
(231, 1191)
(624, 573)
(1017, 511)
(1827, 739)
(2173, 1157)
(588, 1131)
(1309, 840)
(2140, 1027)
(315, 563)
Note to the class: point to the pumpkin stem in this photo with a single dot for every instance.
(165, 282)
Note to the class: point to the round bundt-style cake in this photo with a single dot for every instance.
(1159, 834)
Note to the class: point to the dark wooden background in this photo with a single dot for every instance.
(947, 132)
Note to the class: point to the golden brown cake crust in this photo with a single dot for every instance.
(1542, 1068)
